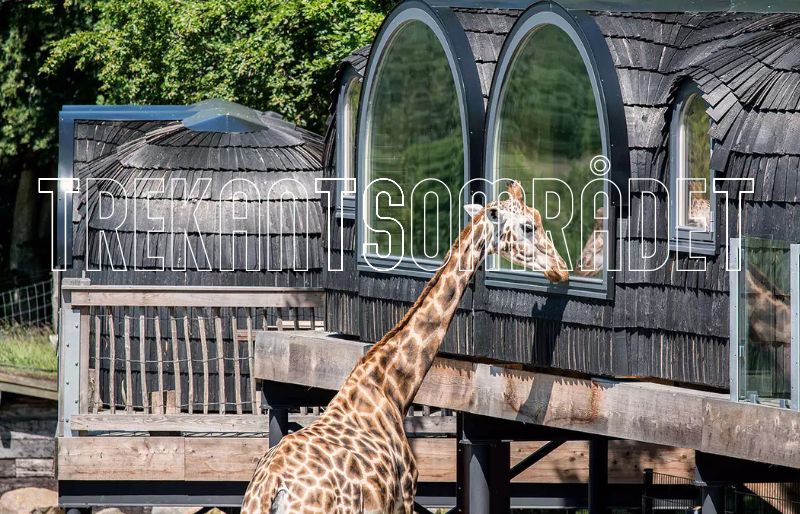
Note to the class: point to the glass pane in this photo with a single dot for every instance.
(415, 134)
(764, 321)
(695, 193)
(549, 128)
(350, 126)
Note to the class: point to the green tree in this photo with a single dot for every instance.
(267, 54)
(29, 104)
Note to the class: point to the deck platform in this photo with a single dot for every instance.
(639, 411)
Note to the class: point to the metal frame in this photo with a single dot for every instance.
(67, 117)
(349, 76)
(734, 263)
(684, 239)
(794, 254)
(589, 42)
(454, 42)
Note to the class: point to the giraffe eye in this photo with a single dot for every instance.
(528, 227)
(491, 214)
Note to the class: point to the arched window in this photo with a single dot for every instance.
(691, 192)
(547, 130)
(347, 131)
(413, 131)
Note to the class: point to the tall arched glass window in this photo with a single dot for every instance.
(352, 94)
(691, 192)
(346, 134)
(546, 129)
(414, 132)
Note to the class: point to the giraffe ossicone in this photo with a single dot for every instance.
(355, 457)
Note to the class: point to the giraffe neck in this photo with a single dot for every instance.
(394, 367)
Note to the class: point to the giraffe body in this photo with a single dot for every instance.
(355, 458)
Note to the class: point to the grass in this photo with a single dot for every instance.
(27, 348)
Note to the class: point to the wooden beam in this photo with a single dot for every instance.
(640, 411)
(417, 426)
(28, 384)
(235, 458)
(193, 296)
(211, 423)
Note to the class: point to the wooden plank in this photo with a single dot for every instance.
(37, 385)
(195, 296)
(159, 351)
(34, 468)
(198, 458)
(98, 336)
(143, 363)
(128, 393)
(752, 432)
(203, 462)
(211, 423)
(85, 342)
(176, 362)
(201, 321)
(683, 418)
(237, 369)
(255, 398)
(189, 368)
(112, 357)
(291, 355)
(220, 361)
(120, 458)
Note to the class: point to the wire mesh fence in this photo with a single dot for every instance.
(669, 494)
(29, 305)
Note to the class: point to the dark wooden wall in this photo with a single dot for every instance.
(666, 324)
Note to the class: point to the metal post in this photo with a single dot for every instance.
(278, 425)
(482, 473)
(713, 500)
(69, 356)
(598, 476)
(795, 325)
(733, 337)
(647, 491)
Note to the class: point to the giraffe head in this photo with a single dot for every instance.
(514, 231)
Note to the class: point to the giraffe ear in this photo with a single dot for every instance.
(473, 209)
(516, 191)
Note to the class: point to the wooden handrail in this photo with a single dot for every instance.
(81, 295)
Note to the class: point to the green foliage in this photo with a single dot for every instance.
(30, 100)
(27, 348)
(267, 54)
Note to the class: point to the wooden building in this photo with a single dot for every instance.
(625, 85)
(214, 194)
(681, 371)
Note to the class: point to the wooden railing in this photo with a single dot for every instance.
(166, 354)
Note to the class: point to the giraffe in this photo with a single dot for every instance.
(355, 457)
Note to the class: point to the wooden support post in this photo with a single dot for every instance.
(598, 476)
(482, 472)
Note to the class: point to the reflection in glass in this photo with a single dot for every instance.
(349, 127)
(694, 192)
(764, 321)
(415, 133)
(549, 128)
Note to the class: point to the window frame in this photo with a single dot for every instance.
(349, 77)
(702, 242)
(613, 134)
(466, 85)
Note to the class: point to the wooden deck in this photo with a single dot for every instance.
(638, 411)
